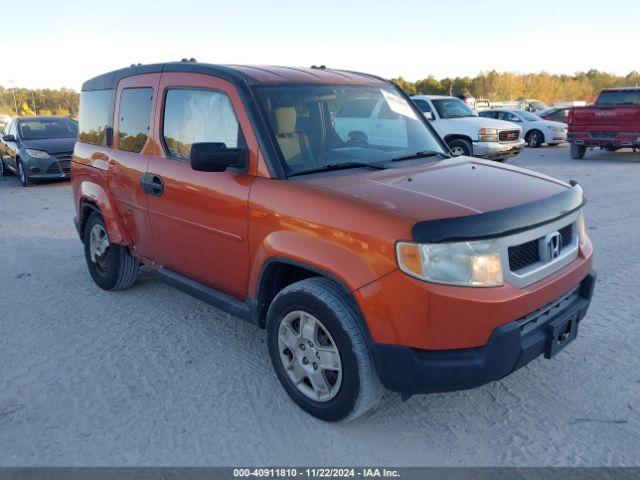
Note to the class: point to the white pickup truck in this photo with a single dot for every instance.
(468, 134)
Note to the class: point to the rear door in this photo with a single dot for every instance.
(132, 148)
(199, 219)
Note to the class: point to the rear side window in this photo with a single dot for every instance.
(194, 116)
(619, 97)
(96, 115)
(361, 108)
(423, 105)
(134, 113)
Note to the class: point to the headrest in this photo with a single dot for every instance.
(286, 120)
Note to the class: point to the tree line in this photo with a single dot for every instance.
(491, 85)
(505, 86)
(44, 101)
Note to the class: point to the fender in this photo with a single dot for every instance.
(336, 260)
(94, 193)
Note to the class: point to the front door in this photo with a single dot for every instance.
(199, 219)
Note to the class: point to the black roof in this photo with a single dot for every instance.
(235, 73)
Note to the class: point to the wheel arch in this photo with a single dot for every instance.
(279, 272)
(92, 197)
(457, 136)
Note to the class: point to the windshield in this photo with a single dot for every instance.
(613, 97)
(316, 126)
(452, 108)
(40, 128)
(528, 116)
(538, 105)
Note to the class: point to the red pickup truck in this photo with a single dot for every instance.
(613, 122)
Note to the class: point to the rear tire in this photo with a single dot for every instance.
(459, 147)
(111, 265)
(534, 138)
(326, 321)
(578, 151)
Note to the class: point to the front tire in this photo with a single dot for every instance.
(111, 265)
(577, 151)
(24, 176)
(534, 139)
(319, 351)
(4, 171)
(460, 147)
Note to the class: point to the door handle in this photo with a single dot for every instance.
(152, 184)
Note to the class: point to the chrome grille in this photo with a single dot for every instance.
(528, 253)
(508, 135)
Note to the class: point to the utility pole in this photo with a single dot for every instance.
(33, 99)
(13, 90)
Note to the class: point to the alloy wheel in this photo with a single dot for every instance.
(99, 247)
(457, 151)
(310, 356)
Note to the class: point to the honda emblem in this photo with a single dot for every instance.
(554, 245)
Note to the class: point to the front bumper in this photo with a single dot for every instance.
(555, 136)
(48, 168)
(511, 346)
(497, 150)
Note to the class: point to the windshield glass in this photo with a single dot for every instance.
(629, 97)
(452, 108)
(528, 116)
(319, 125)
(40, 128)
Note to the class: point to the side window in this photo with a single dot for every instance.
(134, 113)
(423, 105)
(96, 116)
(509, 117)
(361, 108)
(386, 113)
(194, 116)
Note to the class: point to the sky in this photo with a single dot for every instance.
(48, 44)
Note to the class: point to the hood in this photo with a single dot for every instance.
(449, 188)
(546, 123)
(50, 145)
(484, 122)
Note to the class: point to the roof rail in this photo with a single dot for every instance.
(189, 60)
(321, 67)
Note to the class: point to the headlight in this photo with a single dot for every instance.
(37, 153)
(470, 264)
(488, 135)
(582, 229)
(556, 129)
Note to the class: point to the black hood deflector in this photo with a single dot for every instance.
(503, 222)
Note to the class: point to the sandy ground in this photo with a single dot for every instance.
(151, 376)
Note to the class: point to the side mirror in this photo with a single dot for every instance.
(428, 115)
(9, 138)
(215, 157)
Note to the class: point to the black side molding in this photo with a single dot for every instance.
(221, 300)
(507, 221)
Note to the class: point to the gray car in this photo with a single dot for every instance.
(38, 148)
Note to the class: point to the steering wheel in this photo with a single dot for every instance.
(356, 138)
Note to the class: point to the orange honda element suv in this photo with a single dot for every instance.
(321, 205)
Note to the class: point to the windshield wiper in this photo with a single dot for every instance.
(338, 166)
(421, 154)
